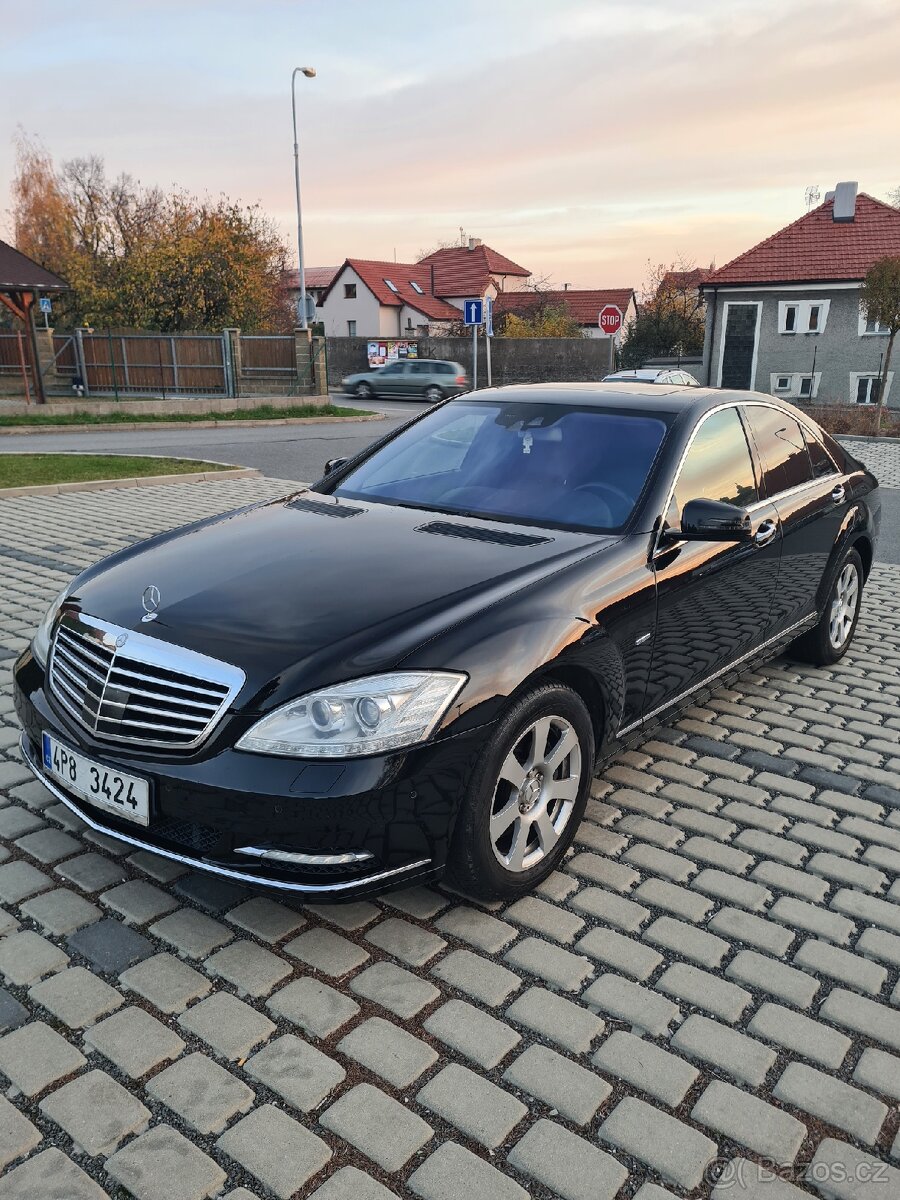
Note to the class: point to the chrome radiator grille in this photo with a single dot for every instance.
(123, 686)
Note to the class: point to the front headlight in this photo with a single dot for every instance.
(40, 643)
(367, 716)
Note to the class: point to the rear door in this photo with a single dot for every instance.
(714, 598)
(811, 498)
(392, 379)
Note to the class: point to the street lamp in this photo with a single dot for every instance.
(310, 73)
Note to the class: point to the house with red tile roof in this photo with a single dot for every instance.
(784, 317)
(317, 280)
(372, 298)
(582, 304)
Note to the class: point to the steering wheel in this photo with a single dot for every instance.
(595, 489)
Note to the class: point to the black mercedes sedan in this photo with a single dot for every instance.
(414, 667)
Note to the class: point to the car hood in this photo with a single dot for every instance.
(310, 589)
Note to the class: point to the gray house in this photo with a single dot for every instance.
(784, 317)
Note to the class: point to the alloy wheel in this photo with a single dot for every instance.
(844, 604)
(535, 793)
(363, 390)
(433, 394)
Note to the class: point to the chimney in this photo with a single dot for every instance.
(843, 210)
(474, 243)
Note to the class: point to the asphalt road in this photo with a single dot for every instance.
(300, 451)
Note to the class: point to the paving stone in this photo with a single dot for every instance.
(875, 1021)
(566, 1163)
(96, 1112)
(192, 933)
(8, 923)
(620, 952)
(569, 1025)
(560, 968)
(800, 1034)
(406, 941)
(350, 916)
(134, 1041)
(671, 897)
(76, 997)
(726, 887)
(454, 1173)
(485, 981)
(757, 931)
(666, 1145)
(704, 990)
(637, 1006)
(110, 946)
(388, 1051)
(48, 1175)
(313, 1006)
(230, 1026)
(876, 943)
(879, 1071)
(394, 988)
(26, 956)
(560, 1083)
(211, 892)
(91, 872)
(49, 845)
(61, 911)
(745, 1119)
(163, 1165)
(201, 1092)
(138, 901)
(277, 1150)
(168, 983)
(789, 879)
(421, 902)
(613, 909)
(547, 919)
(349, 1184)
(20, 879)
(686, 941)
(17, 1134)
(800, 914)
(832, 1100)
(842, 1172)
(266, 919)
(327, 951)
(646, 1066)
(478, 928)
(866, 908)
(477, 1107)
(744, 1059)
(253, 970)
(765, 974)
(15, 822)
(856, 972)
(378, 1126)
(741, 1179)
(481, 1038)
(163, 870)
(294, 1069)
(12, 1013)
(34, 1056)
(608, 874)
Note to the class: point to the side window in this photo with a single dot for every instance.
(818, 456)
(718, 465)
(782, 448)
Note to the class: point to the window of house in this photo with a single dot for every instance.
(867, 389)
(871, 328)
(783, 383)
(782, 448)
(718, 464)
(802, 316)
(349, 291)
(815, 312)
(795, 385)
(806, 386)
(391, 284)
(415, 287)
(351, 329)
(789, 319)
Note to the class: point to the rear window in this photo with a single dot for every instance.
(818, 456)
(782, 448)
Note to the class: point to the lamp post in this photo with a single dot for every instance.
(310, 73)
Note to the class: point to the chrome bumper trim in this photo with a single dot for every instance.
(202, 864)
(312, 860)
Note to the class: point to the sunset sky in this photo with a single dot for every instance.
(580, 137)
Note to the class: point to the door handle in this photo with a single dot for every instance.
(765, 533)
(839, 493)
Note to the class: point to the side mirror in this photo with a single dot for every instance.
(714, 521)
(333, 464)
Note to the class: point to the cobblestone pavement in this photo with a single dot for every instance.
(710, 983)
(882, 458)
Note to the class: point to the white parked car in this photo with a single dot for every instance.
(653, 375)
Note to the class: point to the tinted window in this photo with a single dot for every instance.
(819, 456)
(782, 448)
(551, 464)
(718, 465)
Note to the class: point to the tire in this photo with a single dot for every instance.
(511, 858)
(364, 391)
(830, 639)
(433, 394)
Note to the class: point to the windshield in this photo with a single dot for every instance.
(545, 464)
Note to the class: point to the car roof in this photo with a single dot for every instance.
(643, 397)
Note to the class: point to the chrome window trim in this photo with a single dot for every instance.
(202, 864)
(736, 662)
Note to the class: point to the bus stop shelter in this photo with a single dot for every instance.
(23, 283)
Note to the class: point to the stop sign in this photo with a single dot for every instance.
(610, 319)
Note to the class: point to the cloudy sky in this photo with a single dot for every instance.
(580, 137)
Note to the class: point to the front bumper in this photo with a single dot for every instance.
(397, 809)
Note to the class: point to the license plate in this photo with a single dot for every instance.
(127, 796)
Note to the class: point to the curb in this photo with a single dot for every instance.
(112, 426)
(866, 437)
(100, 485)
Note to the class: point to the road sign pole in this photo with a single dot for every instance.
(488, 334)
(474, 357)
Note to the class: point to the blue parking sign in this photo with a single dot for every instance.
(473, 312)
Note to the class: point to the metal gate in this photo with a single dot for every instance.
(152, 364)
